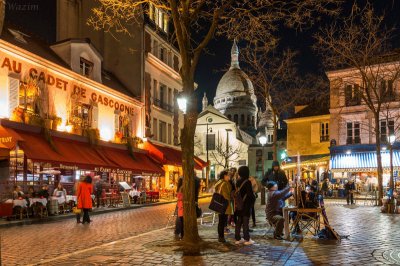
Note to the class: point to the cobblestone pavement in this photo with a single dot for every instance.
(373, 239)
(21, 245)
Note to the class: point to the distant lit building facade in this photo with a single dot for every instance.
(353, 150)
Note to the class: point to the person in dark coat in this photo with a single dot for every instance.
(244, 187)
(275, 202)
(276, 175)
(350, 188)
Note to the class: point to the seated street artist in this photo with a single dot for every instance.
(275, 202)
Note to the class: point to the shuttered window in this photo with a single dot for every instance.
(13, 85)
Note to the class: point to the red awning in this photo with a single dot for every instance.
(140, 163)
(170, 156)
(8, 138)
(64, 151)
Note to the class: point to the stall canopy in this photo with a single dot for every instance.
(362, 161)
(170, 156)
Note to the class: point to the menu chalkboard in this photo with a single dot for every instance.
(125, 199)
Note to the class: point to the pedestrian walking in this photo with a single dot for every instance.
(84, 194)
(179, 210)
(254, 185)
(349, 187)
(223, 186)
(244, 200)
(232, 180)
(277, 175)
(275, 202)
(98, 191)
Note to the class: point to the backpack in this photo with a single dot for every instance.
(239, 201)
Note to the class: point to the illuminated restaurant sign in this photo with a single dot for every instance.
(113, 171)
(55, 81)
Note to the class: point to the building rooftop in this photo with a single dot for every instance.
(315, 108)
(40, 48)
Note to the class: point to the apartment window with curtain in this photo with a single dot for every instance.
(353, 133)
(352, 95)
(387, 129)
(169, 134)
(162, 132)
(86, 67)
(155, 127)
(155, 90)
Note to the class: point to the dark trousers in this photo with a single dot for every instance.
(98, 199)
(222, 220)
(253, 214)
(78, 217)
(86, 217)
(350, 198)
(242, 221)
(179, 226)
(279, 223)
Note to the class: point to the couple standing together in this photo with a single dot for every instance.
(244, 191)
(276, 182)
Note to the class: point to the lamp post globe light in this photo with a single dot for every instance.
(182, 103)
(263, 141)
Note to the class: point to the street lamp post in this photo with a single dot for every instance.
(391, 139)
(263, 141)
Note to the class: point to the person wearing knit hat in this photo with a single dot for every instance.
(277, 175)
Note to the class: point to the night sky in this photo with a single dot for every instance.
(211, 65)
(210, 69)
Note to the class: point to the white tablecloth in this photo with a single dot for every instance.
(60, 200)
(18, 202)
(42, 201)
(71, 198)
(133, 193)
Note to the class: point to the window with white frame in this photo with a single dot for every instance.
(86, 67)
(324, 133)
(387, 129)
(159, 17)
(353, 133)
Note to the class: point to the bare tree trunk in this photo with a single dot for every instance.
(2, 14)
(379, 159)
(191, 234)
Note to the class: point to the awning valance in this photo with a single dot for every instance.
(170, 156)
(363, 161)
(74, 154)
(140, 163)
(324, 160)
(8, 138)
(63, 151)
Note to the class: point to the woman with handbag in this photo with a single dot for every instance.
(224, 188)
(84, 194)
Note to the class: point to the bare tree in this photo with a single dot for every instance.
(225, 153)
(2, 14)
(195, 23)
(277, 82)
(360, 45)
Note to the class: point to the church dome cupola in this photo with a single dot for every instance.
(235, 96)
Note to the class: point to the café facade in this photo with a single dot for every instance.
(62, 116)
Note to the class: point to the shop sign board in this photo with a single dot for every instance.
(113, 170)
